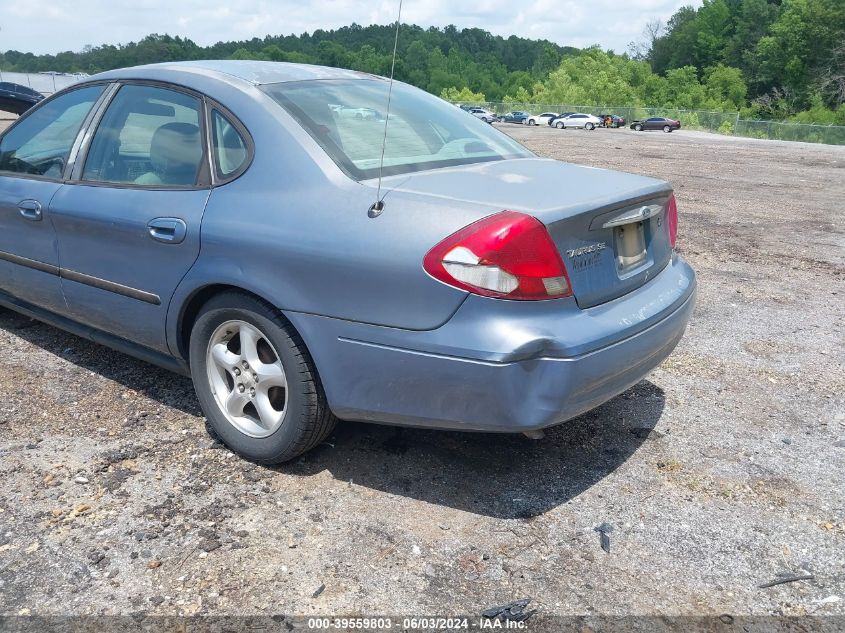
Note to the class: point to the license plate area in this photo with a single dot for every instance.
(629, 242)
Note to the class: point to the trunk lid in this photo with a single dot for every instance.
(608, 226)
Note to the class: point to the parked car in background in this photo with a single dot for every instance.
(369, 114)
(516, 116)
(122, 219)
(559, 116)
(611, 120)
(484, 115)
(578, 120)
(656, 123)
(16, 98)
(540, 119)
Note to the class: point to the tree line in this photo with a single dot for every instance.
(790, 54)
(779, 59)
(434, 59)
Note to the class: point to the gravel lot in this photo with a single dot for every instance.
(719, 472)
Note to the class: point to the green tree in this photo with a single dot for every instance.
(713, 27)
(724, 87)
(242, 53)
(464, 95)
(683, 90)
(522, 96)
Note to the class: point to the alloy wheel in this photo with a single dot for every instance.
(247, 378)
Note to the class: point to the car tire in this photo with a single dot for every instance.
(590, 126)
(667, 129)
(217, 354)
(559, 125)
(532, 122)
(638, 128)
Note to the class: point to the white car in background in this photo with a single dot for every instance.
(484, 115)
(357, 113)
(578, 120)
(540, 119)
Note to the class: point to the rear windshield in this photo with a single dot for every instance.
(347, 118)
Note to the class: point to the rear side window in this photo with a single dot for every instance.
(40, 143)
(230, 148)
(149, 136)
(424, 132)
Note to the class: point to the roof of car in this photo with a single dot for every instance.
(255, 72)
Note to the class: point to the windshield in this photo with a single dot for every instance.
(346, 117)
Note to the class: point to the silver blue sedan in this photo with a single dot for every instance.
(228, 220)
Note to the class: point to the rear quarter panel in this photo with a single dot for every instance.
(296, 231)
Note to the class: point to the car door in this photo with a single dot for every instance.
(33, 157)
(128, 224)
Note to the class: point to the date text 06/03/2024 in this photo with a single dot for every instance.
(416, 624)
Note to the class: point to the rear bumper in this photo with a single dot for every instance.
(500, 365)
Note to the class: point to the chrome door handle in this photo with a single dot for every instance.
(30, 209)
(168, 230)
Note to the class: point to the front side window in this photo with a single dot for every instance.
(230, 150)
(40, 142)
(423, 132)
(149, 136)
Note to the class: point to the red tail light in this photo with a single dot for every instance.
(508, 255)
(672, 219)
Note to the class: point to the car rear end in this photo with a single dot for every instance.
(571, 298)
(549, 287)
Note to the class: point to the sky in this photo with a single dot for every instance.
(51, 26)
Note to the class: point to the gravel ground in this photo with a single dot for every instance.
(719, 472)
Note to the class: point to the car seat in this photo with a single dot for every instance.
(175, 155)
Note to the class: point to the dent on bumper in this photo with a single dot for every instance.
(503, 369)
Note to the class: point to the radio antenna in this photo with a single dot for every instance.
(378, 205)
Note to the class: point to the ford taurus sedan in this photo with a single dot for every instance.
(223, 220)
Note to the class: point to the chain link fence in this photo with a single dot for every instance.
(719, 122)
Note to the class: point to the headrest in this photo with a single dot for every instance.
(176, 151)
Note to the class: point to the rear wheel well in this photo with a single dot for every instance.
(195, 303)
